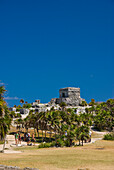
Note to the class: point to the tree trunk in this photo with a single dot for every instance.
(55, 136)
(82, 142)
(35, 131)
(50, 135)
(38, 132)
(42, 136)
(45, 134)
(4, 144)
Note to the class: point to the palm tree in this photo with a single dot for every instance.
(104, 115)
(77, 134)
(19, 123)
(22, 101)
(63, 105)
(84, 133)
(92, 103)
(5, 119)
(83, 103)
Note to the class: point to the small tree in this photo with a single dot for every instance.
(92, 103)
(83, 103)
(63, 105)
(22, 101)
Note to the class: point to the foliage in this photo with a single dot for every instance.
(60, 143)
(92, 103)
(21, 101)
(18, 108)
(12, 114)
(109, 136)
(63, 104)
(83, 103)
(104, 115)
(65, 126)
(47, 145)
(27, 105)
(5, 118)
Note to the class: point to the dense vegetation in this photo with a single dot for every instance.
(103, 115)
(109, 136)
(64, 124)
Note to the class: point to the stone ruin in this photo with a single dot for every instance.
(69, 95)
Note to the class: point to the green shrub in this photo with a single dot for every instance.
(67, 143)
(1, 142)
(109, 136)
(60, 143)
(18, 109)
(44, 145)
(53, 144)
(47, 145)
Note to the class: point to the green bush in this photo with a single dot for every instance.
(67, 143)
(44, 145)
(53, 144)
(1, 142)
(109, 136)
(60, 143)
(18, 109)
(47, 145)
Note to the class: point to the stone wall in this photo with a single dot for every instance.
(69, 95)
(4, 167)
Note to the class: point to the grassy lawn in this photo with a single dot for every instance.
(97, 156)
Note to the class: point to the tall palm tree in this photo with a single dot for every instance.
(5, 119)
(84, 133)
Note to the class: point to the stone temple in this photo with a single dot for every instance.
(69, 95)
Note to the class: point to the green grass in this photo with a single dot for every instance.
(99, 155)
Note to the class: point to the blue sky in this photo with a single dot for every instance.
(48, 45)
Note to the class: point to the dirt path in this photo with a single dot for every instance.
(97, 133)
(10, 144)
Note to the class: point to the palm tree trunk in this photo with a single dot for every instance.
(35, 132)
(45, 134)
(38, 132)
(55, 136)
(4, 144)
(50, 135)
(82, 142)
(42, 136)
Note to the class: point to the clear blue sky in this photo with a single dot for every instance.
(50, 44)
